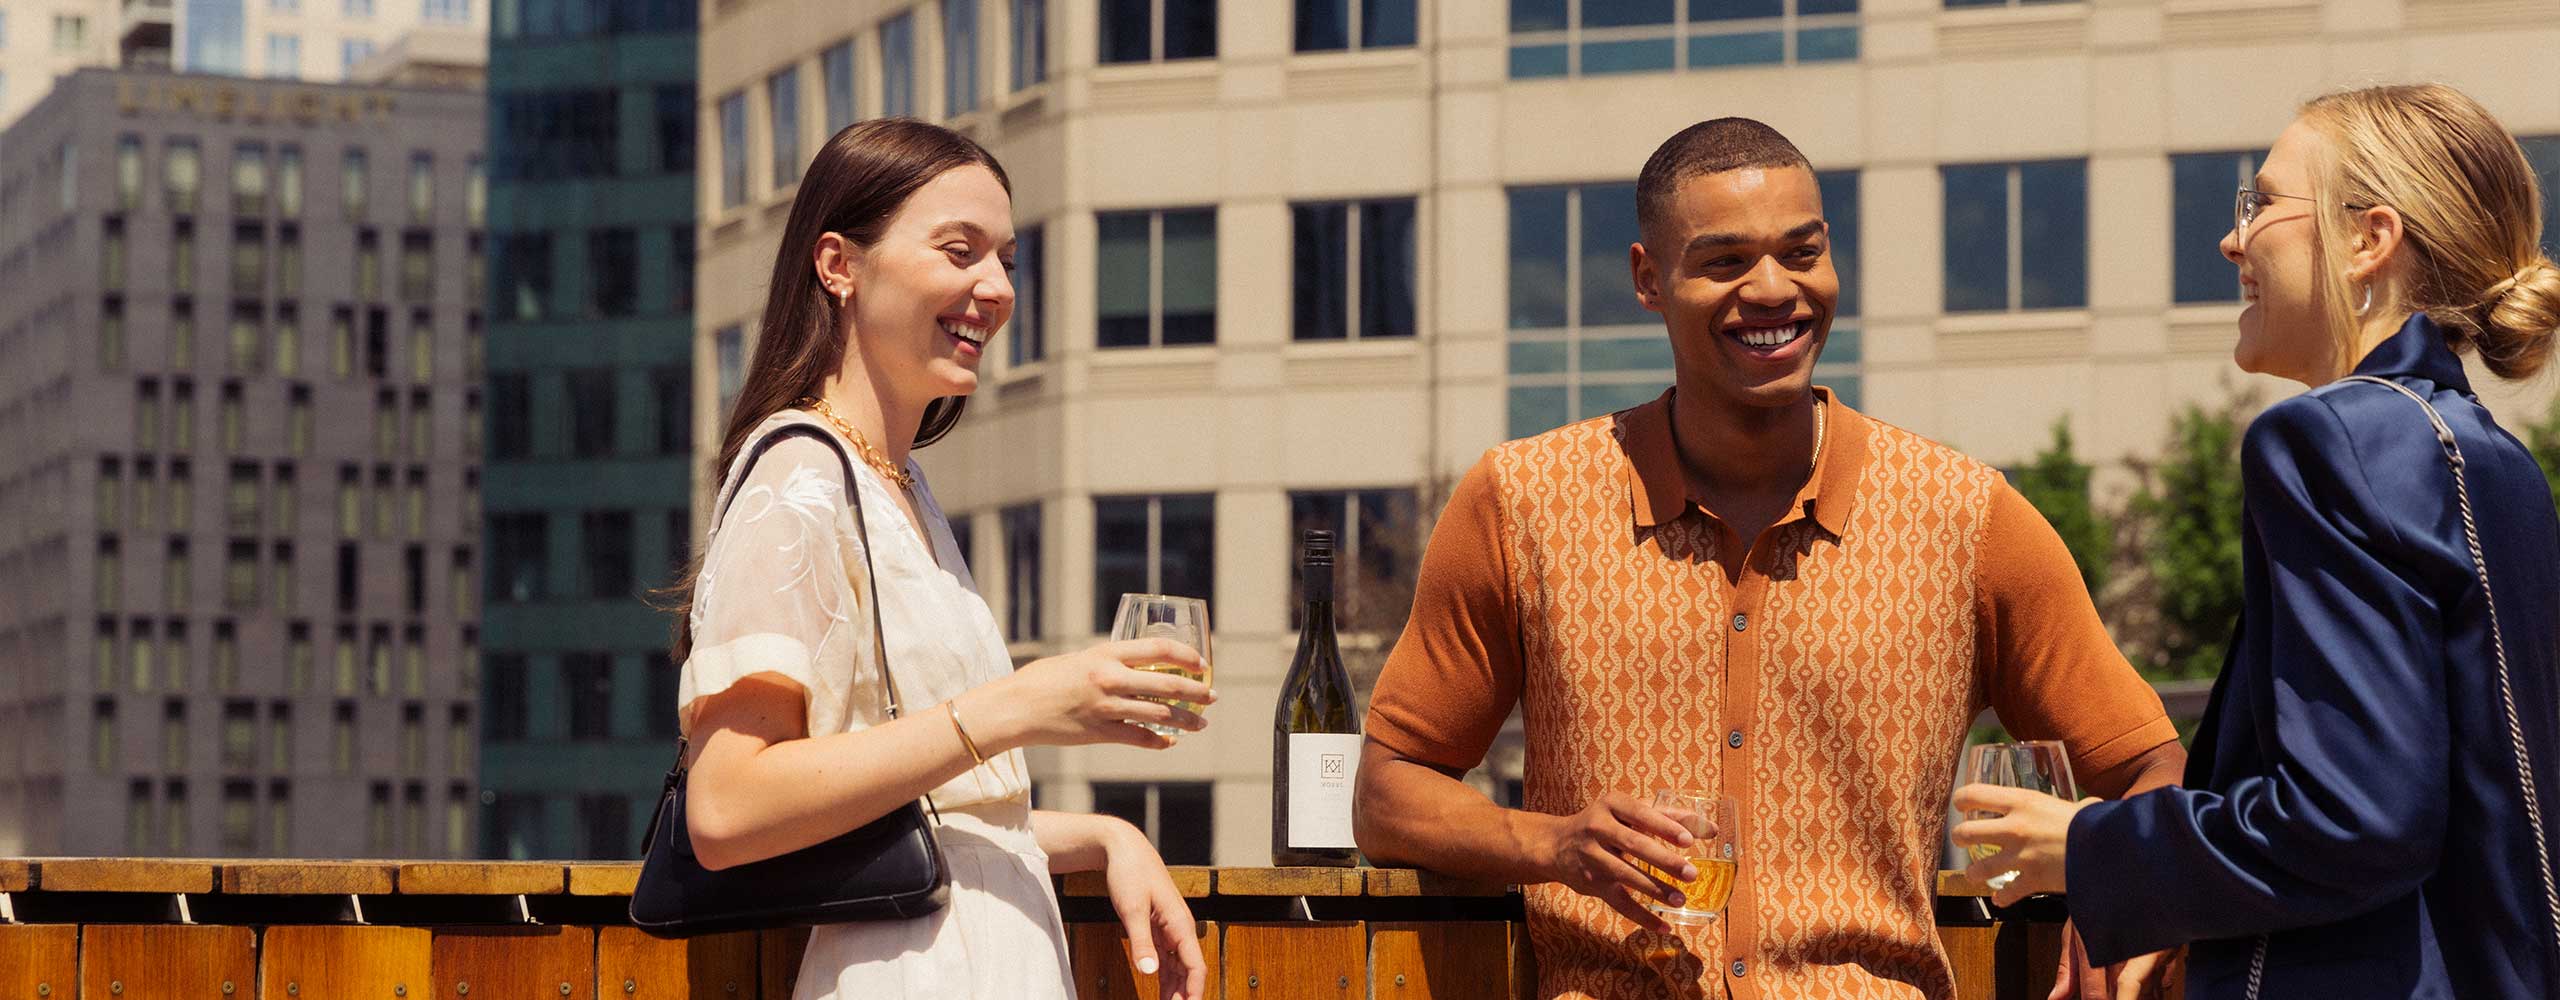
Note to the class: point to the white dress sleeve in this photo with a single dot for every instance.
(774, 596)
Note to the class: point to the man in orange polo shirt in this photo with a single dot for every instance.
(1748, 588)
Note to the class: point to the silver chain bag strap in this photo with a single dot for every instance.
(2498, 651)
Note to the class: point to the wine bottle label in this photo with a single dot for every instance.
(1321, 769)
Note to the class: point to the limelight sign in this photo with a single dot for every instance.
(226, 101)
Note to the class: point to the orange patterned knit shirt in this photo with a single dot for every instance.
(1826, 688)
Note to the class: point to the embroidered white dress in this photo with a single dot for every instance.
(782, 591)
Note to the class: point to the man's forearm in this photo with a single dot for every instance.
(1409, 814)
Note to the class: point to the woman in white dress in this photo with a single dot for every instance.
(893, 276)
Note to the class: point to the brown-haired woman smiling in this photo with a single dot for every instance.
(891, 279)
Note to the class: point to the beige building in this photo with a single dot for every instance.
(1274, 270)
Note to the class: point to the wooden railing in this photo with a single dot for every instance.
(140, 929)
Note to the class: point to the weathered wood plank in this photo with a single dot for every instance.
(1456, 960)
(1974, 952)
(123, 875)
(515, 963)
(603, 878)
(17, 875)
(632, 965)
(1290, 882)
(1295, 961)
(139, 961)
(1192, 881)
(355, 963)
(39, 960)
(298, 878)
(471, 878)
(778, 959)
(1103, 968)
(1409, 882)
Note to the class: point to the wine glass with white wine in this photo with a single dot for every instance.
(1157, 616)
(1709, 820)
(2035, 765)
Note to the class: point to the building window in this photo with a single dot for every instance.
(1175, 815)
(413, 738)
(729, 359)
(1029, 328)
(377, 820)
(458, 739)
(2542, 153)
(524, 275)
(141, 819)
(959, 56)
(672, 392)
(176, 592)
(182, 175)
(457, 821)
(1022, 571)
(898, 66)
(249, 179)
(240, 575)
(70, 34)
(288, 269)
(111, 256)
(448, 11)
(1138, 31)
(342, 733)
(1152, 545)
(342, 343)
(175, 659)
(475, 272)
(586, 681)
(369, 274)
(280, 736)
(604, 827)
(1649, 36)
(2202, 186)
(110, 573)
(733, 150)
(106, 753)
(239, 736)
(182, 502)
(1338, 25)
(1030, 42)
(475, 187)
(518, 547)
(2017, 236)
(510, 416)
(284, 579)
(516, 829)
(1581, 345)
(352, 53)
(231, 414)
(110, 493)
(284, 56)
(128, 173)
(377, 648)
(1158, 278)
(417, 267)
(591, 412)
(1353, 269)
(173, 734)
(674, 123)
(507, 702)
(782, 98)
(111, 316)
(354, 184)
(289, 181)
(248, 261)
(298, 424)
(279, 819)
(1377, 548)
(605, 536)
(613, 272)
(465, 586)
(182, 277)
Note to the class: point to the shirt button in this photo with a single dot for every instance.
(1741, 622)
(1735, 740)
(1740, 967)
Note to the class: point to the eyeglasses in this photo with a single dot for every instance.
(2246, 205)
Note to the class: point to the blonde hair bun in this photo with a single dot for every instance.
(2520, 321)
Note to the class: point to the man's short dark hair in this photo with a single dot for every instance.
(1708, 147)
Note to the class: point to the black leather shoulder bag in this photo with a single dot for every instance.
(889, 869)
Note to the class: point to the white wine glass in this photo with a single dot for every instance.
(2035, 765)
(1709, 820)
(1159, 616)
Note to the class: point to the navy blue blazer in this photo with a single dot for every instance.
(2352, 792)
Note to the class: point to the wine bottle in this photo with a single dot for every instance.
(1315, 739)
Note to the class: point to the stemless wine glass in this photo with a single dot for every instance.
(1157, 616)
(2035, 765)
(1709, 820)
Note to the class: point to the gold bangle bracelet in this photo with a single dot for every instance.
(952, 708)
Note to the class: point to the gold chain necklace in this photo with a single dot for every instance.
(861, 445)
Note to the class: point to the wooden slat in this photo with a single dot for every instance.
(632, 965)
(1409, 882)
(1192, 881)
(355, 963)
(324, 878)
(472, 878)
(1295, 961)
(144, 961)
(515, 963)
(17, 875)
(1103, 968)
(609, 878)
(778, 960)
(1290, 882)
(1456, 960)
(124, 875)
(1974, 953)
(39, 961)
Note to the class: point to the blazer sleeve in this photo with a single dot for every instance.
(2343, 659)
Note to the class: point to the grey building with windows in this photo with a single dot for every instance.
(590, 451)
(239, 452)
(1295, 264)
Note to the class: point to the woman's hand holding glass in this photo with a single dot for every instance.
(2015, 800)
(1096, 696)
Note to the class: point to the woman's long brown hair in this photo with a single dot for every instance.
(854, 186)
